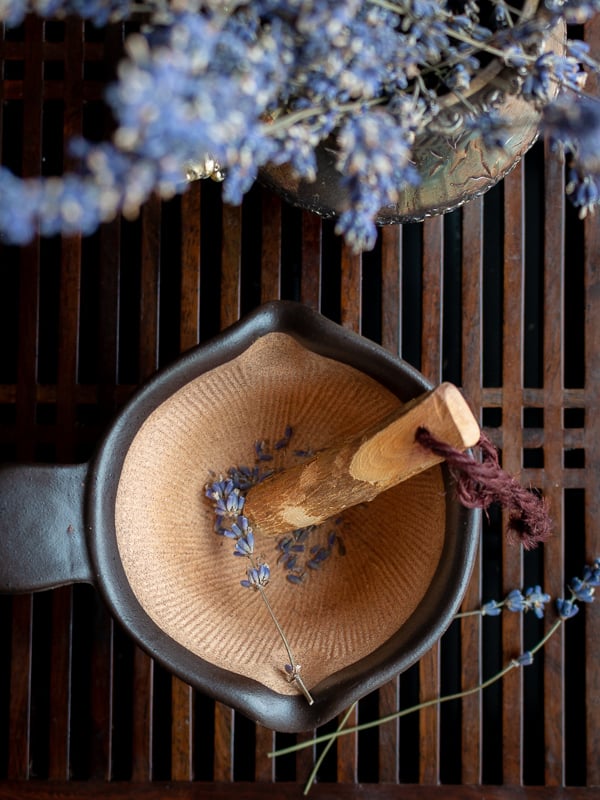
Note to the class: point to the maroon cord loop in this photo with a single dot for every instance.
(481, 483)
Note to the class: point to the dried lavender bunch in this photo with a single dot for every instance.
(266, 81)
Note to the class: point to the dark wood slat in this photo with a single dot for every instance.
(491, 397)
(33, 87)
(71, 250)
(592, 486)
(108, 318)
(16, 90)
(109, 267)
(554, 252)
(389, 734)
(305, 759)
(431, 367)
(592, 452)
(150, 288)
(59, 735)
(28, 351)
(142, 723)
(68, 349)
(223, 758)
(429, 718)
(347, 753)
(231, 266)
(191, 204)
(351, 290)
(101, 700)
(30, 255)
(592, 492)
(30, 790)
(432, 283)
(391, 288)
(471, 369)
(471, 675)
(264, 769)
(19, 713)
(51, 51)
(512, 379)
(472, 282)
(22, 606)
(310, 288)
(182, 730)
(270, 288)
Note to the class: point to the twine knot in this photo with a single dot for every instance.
(481, 483)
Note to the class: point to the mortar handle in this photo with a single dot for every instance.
(42, 529)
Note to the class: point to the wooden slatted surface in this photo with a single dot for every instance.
(501, 297)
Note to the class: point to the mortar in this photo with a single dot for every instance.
(134, 522)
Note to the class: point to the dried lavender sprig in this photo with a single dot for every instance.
(326, 737)
(293, 668)
(312, 777)
(579, 589)
(525, 659)
(228, 502)
(534, 599)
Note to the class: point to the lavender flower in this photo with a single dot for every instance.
(525, 659)
(566, 608)
(574, 12)
(515, 601)
(257, 577)
(536, 600)
(244, 545)
(546, 72)
(491, 609)
(591, 574)
(282, 443)
(584, 192)
(576, 126)
(374, 155)
(584, 588)
(268, 82)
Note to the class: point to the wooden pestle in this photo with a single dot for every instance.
(358, 469)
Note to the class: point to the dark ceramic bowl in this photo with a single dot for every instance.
(134, 522)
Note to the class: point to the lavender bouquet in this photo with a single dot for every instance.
(233, 86)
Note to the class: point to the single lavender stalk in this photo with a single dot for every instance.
(228, 502)
(293, 668)
(363, 726)
(326, 749)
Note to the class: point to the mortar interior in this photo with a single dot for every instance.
(184, 575)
